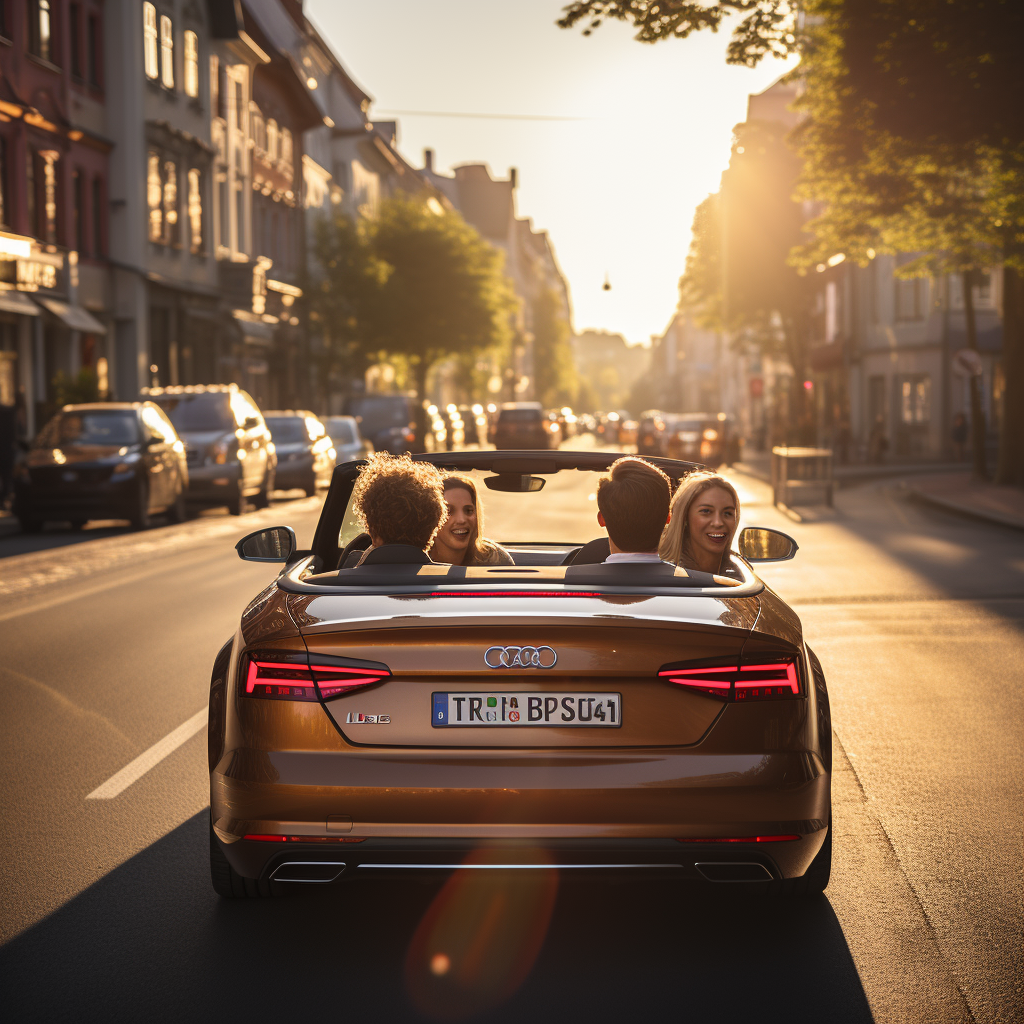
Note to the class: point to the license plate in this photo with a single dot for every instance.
(519, 708)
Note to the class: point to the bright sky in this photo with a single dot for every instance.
(617, 188)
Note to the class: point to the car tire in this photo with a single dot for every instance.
(30, 523)
(178, 513)
(139, 514)
(77, 524)
(262, 499)
(310, 488)
(227, 882)
(237, 503)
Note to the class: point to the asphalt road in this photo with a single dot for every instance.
(106, 912)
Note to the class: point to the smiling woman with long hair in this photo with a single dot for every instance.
(460, 540)
(705, 513)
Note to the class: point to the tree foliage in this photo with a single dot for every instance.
(554, 369)
(415, 281)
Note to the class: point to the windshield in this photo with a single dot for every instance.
(288, 429)
(563, 512)
(198, 413)
(115, 428)
(341, 431)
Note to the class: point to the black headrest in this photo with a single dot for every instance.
(591, 553)
(397, 554)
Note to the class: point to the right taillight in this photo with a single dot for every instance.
(765, 680)
(294, 677)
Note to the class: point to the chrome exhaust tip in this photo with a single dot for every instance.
(733, 871)
(316, 871)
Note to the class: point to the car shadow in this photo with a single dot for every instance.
(150, 941)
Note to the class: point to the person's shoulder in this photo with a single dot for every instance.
(492, 553)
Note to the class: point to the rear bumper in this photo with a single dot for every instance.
(213, 484)
(398, 800)
(295, 473)
(587, 859)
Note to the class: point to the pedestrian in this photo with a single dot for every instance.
(959, 435)
(878, 443)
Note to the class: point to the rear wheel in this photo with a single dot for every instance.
(177, 513)
(139, 515)
(227, 882)
(262, 499)
(30, 523)
(237, 503)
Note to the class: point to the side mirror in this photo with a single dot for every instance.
(251, 423)
(276, 544)
(759, 544)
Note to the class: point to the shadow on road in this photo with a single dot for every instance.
(151, 941)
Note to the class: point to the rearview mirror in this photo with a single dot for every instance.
(759, 544)
(521, 482)
(276, 544)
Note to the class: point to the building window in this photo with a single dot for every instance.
(40, 29)
(98, 248)
(75, 31)
(916, 400)
(150, 41)
(5, 27)
(154, 198)
(195, 211)
(258, 128)
(286, 151)
(42, 194)
(78, 195)
(166, 52)
(172, 232)
(908, 299)
(93, 58)
(191, 64)
(272, 136)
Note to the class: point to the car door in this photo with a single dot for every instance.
(177, 465)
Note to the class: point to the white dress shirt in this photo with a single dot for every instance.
(633, 556)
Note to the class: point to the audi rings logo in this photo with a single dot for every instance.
(520, 657)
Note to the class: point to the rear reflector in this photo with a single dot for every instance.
(739, 683)
(305, 839)
(304, 680)
(742, 839)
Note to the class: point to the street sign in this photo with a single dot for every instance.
(967, 363)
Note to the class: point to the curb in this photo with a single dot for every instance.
(1011, 522)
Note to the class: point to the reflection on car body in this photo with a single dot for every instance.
(327, 756)
(305, 451)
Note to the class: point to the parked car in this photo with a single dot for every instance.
(524, 425)
(103, 460)
(628, 433)
(348, 441)
(305, 451)
(650, 439)
(388, 422)
(709, 438)
(230, 454)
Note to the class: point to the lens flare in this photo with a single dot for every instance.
(491, 923)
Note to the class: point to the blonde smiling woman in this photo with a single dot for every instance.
(705, 513)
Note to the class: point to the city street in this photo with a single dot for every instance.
(107, 914)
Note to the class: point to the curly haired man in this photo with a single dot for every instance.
(402, 506)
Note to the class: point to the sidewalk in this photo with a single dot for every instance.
(758, 464)
(958, 492)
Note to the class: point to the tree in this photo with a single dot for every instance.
(894, 90)
(554, 370)
(738, 275)
(444, 292)
(343, 294)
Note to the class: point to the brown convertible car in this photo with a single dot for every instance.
(430, 718)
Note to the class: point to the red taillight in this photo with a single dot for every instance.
(739, 683)
(299, 679)
(305, 839)
(735, 839)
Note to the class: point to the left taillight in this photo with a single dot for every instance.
(761, 680)
(293, 677)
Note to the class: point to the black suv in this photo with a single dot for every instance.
(230, 453)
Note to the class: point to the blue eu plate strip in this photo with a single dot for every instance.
(440, 715)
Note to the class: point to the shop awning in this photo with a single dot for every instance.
(17, 302)
(75, 317)
(254, 332)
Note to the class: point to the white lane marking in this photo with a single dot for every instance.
(134, 770)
